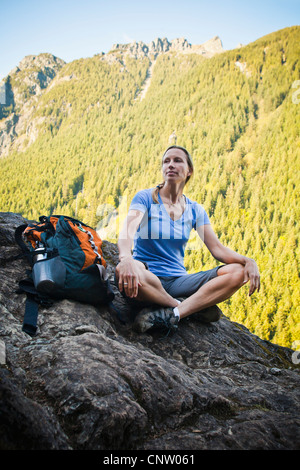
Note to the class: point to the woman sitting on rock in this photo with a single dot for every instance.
(159, 223)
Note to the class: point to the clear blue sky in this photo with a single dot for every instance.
(72, 29)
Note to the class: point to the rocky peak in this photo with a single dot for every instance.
(212, 46)
(33, 74)
(42, 61)
(158, 46)
(19, 92)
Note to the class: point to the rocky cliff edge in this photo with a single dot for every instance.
(85, 381)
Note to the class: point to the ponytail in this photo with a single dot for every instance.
(155, 192)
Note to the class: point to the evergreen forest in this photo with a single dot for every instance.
(98, 142)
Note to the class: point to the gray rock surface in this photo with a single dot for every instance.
(86, 381)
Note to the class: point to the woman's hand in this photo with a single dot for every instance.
(129, 273)
(252, 275)
(227, 256)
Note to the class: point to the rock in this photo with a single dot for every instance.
(8, 224)
(26, 424)
(138, 50)
(86, 381)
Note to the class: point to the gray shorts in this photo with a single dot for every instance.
(182, 286)
(188, 284)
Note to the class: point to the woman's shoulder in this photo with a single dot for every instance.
(144, 193)
(192, 202)
(195, 205)
(143, 196)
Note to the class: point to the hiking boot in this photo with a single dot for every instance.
(208, 315)
(149, 318)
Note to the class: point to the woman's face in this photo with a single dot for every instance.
(175, 166)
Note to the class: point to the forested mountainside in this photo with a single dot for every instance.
(81, 138)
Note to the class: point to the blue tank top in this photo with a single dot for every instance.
(161, 241)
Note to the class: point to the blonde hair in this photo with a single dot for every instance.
(189, 162)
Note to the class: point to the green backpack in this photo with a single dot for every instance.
(67, 263)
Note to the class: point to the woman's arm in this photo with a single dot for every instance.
(228, 256)
(128, 270)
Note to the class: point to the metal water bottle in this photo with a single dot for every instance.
(39, 253)
(49, 272)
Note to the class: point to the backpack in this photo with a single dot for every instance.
(67, 263)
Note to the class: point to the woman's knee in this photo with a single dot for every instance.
(235, 272)
(149, 279)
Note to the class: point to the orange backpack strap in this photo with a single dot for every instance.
(33, 232)
(91, 245)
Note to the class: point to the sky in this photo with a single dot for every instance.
(73, 29)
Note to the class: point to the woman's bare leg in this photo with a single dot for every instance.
(229, 279)
(152, 291)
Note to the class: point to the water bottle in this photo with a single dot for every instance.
(48, 273)
(39, 253)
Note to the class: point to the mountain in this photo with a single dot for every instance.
(25, 83)
(88, 382)
(81, 138)
(21, 90)
(138, 50)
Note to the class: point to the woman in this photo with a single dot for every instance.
(159, 222)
